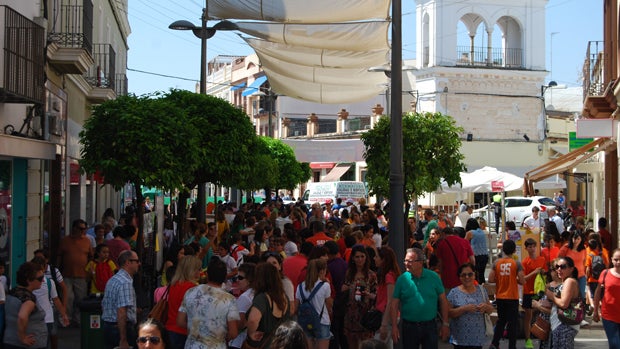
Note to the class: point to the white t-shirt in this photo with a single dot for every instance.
(244, 302)
(43, 298)
(230, 262)
(532, 222)
(318, 301)
(2, 294)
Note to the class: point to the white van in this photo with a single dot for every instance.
(321, 191)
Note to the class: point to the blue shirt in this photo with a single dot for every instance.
(479, 242)
(119, 292)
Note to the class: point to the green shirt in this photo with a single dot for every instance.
(418, 296)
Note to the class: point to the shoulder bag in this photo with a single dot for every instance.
(574, 313)
(160, 310)
(489, 329)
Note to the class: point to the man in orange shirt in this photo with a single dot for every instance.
(74, 253)
(319, 238)
(532, 266)
(507, 274)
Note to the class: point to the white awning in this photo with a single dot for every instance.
(336, 172)
(331, 76)
(355, 36)
(321, 93)
(316, 57)
(315, 11)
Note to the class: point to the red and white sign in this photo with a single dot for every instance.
(497, 186)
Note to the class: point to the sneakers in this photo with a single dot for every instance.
(528, 344)
(584, 323)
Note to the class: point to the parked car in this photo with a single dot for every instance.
(518, 208)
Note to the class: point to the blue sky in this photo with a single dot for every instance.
(155, 49)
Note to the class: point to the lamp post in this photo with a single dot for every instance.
(203, 33)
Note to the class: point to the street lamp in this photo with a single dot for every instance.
(203, 33)
(387, 70)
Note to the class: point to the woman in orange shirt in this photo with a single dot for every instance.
(576, 250)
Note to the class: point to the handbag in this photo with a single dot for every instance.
(160, 310)
(371, 320)
(574, 313)
(489, 329)
(540, 328)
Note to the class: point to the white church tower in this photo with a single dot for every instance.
(483, 62)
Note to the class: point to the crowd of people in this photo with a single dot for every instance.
(290, 276)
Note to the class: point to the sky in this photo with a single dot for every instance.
(161, 58)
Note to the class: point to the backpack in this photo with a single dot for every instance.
(597, 265)
(103, 273)
(307, 316)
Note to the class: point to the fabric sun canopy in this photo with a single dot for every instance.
(480, 181)
(255, 86)
(299, 10)
(238, 86)
(336, 172)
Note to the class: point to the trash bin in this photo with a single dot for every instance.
(91, 331)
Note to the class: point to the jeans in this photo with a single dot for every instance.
(582, 287)
(612, 330)
(112, 336)
(481, 264)
(507, 313)
(424, 333)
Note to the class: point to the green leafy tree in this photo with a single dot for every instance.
(141, 140)
(290, 171)
(226, 141)
(431, 152)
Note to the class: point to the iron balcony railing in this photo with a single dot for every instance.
(24, 59)
(594, 70)
(72, 24)
(102, 74)
(120, 86)
(511, 58)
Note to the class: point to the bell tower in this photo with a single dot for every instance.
(483, 62)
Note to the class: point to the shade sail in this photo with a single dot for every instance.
(356, 36)
(255, 86)
(332, 76)
(336, 172)
(480, 181)
(315, 11)
(320, 92)
(315, 57)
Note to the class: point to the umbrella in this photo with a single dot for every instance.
(480, 181)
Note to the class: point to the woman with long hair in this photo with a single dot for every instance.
(275, 259)
(223, 228)
(563, 335)
(289, 335)
(478, 239)
(389, 271)
(576, 250)
(270, 306)
(172, 261)
(153, 333)
(322, 302)
(607, 294)
(185, 277)
(361, 285)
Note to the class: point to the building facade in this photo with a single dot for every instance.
(59, 59)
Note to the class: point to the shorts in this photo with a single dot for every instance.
(321, 332)
(527, 301)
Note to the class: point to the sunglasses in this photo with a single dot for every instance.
(467, 275)
(561, 266)
(153, 339)
(239, 277)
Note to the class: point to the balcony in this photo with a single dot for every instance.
(599, 99)
(70, 36)
(120, 86)
(23, 61)
(485, 57)
(101, 76)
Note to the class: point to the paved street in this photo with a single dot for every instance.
(591, 337)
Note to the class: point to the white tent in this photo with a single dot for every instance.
(480, 181)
